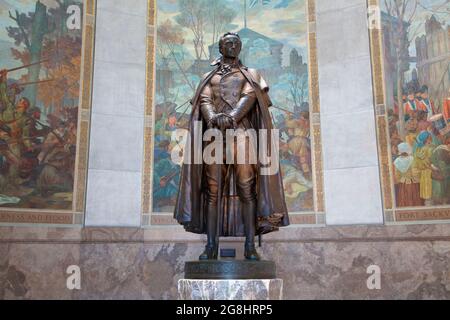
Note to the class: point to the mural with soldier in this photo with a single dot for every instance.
(416, 46)
(40, 57)
(274, 36)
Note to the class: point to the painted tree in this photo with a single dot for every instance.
(30, 32)
(194, 16)
(44, 36)
(63, 46)
(402, 13)
(205, 16)
(64, 67)
(220, 18)
(298, 87)
(170, 37)
(59, 15)
(298, 78)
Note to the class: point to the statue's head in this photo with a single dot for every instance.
(230, 45)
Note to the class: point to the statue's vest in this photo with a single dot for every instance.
(227, 88)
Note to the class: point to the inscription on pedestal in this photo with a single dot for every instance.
(230, 269)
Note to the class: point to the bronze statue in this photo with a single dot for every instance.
(230, 199)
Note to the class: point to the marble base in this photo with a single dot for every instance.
(270, 289)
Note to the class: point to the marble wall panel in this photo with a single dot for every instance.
(116, 146)
(113, 198)
(348, 118)
(310, 270)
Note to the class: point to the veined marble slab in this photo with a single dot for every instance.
(271, 289)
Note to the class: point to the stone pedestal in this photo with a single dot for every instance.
(257, 289)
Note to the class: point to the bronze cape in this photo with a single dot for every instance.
(271, 207)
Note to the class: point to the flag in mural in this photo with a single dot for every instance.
(275, 45)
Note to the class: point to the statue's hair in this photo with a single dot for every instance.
(222, 38)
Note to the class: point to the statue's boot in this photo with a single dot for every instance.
(212, 247)
(249, 214)
(210, 253)
(251, 253)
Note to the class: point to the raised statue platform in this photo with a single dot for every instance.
(230, 280)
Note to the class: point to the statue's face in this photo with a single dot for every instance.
(231, 47)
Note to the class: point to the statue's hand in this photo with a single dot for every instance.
(225, 122)
(220, 121)
(229, 123)
(212, 123)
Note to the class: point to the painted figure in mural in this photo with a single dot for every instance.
(422, 156)
(16, 126)
(407, 186)
(440, 161)
(412, 104)
(426, 102)
(446, 107)
(165, 175)
(33, 155)
(230, 199)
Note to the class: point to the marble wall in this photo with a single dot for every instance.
(351, 173)
(122, 264)
(117, 126)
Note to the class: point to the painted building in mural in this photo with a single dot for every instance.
(433, 57)
(40, 58)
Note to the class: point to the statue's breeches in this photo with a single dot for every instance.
(245, 181)
(244, 176)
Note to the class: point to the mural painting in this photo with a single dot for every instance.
(416, 69)
(274, 36)
(40, 58)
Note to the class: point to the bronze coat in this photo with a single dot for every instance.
(190, 208)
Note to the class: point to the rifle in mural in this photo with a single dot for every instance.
(17, 85)
(26, 66)
(34, 82)
(284, 110)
